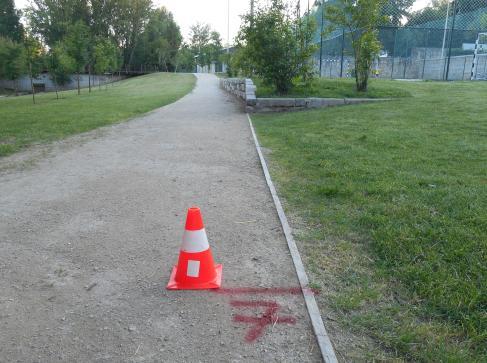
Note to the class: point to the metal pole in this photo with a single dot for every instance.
(425, 51)
(321, 37)
(228, 26)
(451, 38)
(343, 49)
(393, 53)
(446, 26)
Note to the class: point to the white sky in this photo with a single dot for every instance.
(213, 12)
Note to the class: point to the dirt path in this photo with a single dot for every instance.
(88, 236)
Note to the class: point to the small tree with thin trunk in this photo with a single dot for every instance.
(105, 55)
(12, 61)
(60, 66)
(33, 58)
(361, 19)
(76, 42)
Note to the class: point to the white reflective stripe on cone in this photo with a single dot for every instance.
(195, 241)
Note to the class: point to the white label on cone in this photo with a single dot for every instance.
(195, 241)
(193, 268)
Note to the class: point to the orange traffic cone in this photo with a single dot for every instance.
(196, 268)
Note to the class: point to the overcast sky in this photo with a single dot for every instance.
(213, 12)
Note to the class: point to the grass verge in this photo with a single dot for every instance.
(23, 123)
(390, 201)
(336, 88)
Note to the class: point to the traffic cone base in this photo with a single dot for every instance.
(190, 285)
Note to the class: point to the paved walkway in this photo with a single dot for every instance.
(89, 234)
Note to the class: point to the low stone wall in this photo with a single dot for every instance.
(296, 104)
(244, 89)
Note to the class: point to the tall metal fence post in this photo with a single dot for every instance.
(393, 53)
(425, 52)
(343, 51)
(321, 37)
(451, 39)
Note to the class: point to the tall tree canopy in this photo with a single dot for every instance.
(396, 11)
(10, 26)
(205, 44)
(160, 41)
(142, 34)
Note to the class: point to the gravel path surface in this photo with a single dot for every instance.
(90, 232)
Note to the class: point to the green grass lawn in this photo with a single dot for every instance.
(335, 88)
(390, 201)
(23, 123)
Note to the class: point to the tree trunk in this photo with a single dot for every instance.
(89, 78)
(55, 87)
(32, 84)
(79, 92)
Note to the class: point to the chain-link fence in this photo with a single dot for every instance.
(443, 41)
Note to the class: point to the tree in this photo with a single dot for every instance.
(160, 41)
(105, 56)
(396, 10)
(205, 44)
(12, 60)
(33, 57)
(60, 65)
(199, 39)
(10, 26)
(214, 47)
(185, 60)
(275, 46)
(361, 18)
(76, 42)
(129, 20)
(51, 19)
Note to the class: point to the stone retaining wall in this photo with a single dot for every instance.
(296, 104)
(244, 89)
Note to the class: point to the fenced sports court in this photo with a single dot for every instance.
(447, 41)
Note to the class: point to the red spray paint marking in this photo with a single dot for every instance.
(265, 291)
(269, 317)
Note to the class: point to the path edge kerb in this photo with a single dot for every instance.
(324, 342)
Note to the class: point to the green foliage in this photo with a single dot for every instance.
(34, 55)
(60, 64)
(51, 19)
(34, 58)
(275, 46)
(12, 59)
(145, 36)
(205, 44)
(10, 26)
(361, 18)
(160, 41)
(105, 55)
(185, 61)
(395, 10)
(77, 42)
